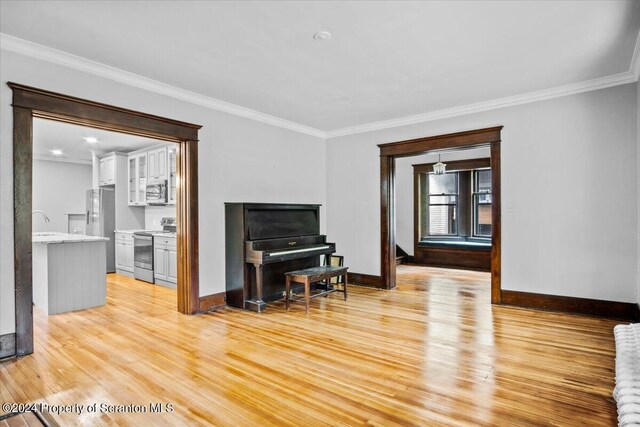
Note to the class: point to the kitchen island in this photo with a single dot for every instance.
(69, 271)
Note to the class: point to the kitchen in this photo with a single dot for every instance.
(104, 213)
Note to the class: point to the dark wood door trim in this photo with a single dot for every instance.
(62, 107)
(389, 152)
(496, 227)
(412, 147)
(387, 221)
(29, 102)
(22, 183)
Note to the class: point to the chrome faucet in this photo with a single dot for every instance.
(44, 215)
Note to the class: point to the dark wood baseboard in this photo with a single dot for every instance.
(7, 345)
(592, 307)
(365, 280)
(213, 302)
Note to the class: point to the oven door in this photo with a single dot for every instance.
(143, 251)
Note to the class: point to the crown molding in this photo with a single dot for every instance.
(63, 160)
(509, 101)
(635, 59)
(34, 50)
(38, 51)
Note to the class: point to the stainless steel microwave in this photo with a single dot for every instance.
(157, 192)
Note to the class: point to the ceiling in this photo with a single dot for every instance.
(52, 135)
(385, 60)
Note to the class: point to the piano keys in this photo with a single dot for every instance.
(263, 242)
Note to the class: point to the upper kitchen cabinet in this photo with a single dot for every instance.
(171, 180)
(158, 164)
(114, 170)
(107, 170)
(137, 170)
(148, 166)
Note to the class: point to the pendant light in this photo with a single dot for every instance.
(439, 168)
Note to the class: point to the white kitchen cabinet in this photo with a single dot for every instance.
(128, 250)
(172, 264)
(107, 170)
(137, 182)
(121, 254)
(124, 253)
(151, 156)
(159, 263)
(171, 179)
(157, 159)
(113, 170)
(165, 261)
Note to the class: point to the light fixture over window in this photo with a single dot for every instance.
(439, 168)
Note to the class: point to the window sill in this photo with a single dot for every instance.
(457, 244)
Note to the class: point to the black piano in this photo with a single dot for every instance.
(263, 242)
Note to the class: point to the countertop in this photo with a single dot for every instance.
(133, 231)
(53, 237)
(163, 234)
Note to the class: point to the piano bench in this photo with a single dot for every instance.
(312, 275)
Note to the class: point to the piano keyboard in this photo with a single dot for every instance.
(293, 251)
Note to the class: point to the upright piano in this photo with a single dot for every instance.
(263, 242)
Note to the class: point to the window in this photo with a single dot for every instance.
(443, 204)
(482, 203)
(454, 208)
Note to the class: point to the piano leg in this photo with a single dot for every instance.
(287, 290)
(258, 304)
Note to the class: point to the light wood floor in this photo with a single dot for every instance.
(431, 352)
(27, 419)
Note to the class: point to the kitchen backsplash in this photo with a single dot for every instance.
(153, 215)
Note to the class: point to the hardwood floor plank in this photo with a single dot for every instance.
(434, 351)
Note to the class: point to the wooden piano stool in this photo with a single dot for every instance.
(312, 275)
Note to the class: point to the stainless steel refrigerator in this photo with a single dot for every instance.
(101, 220)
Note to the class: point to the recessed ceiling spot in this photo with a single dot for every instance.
(322, 35)
(56, 152)
(91, 139)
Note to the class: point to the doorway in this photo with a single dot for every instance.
(488, 137)
(29, 103)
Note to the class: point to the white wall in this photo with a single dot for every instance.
(404, 189)
(569, 193)
(239, 160)
(59, 188)
(154, 214)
